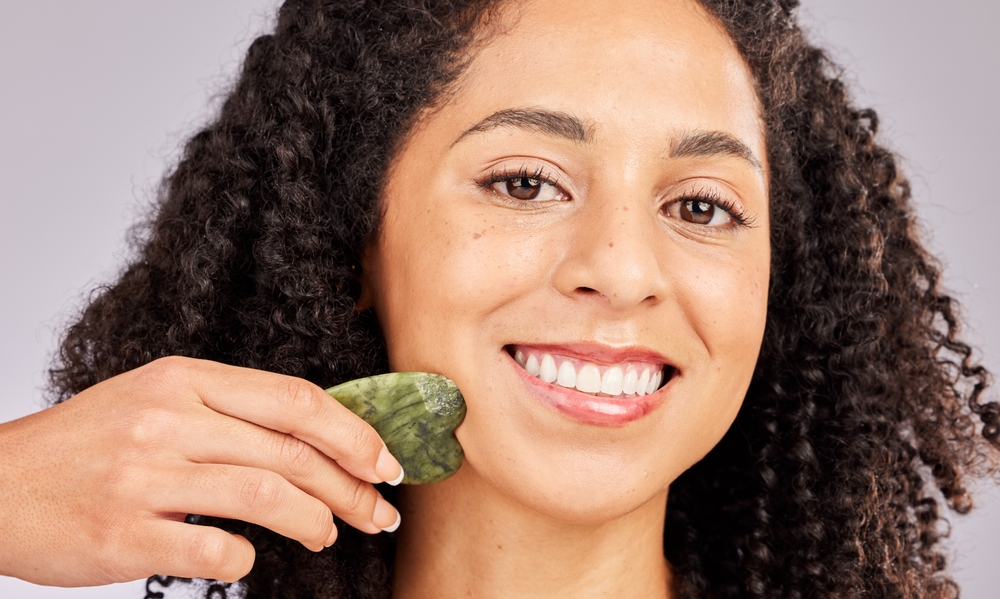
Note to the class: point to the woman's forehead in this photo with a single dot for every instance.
(661, 68)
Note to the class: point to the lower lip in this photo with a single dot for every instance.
(590, 409)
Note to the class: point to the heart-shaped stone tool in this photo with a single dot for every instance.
(416, 414)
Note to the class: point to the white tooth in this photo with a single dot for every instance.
(532, 365)
(589, 379)
(519, 357)
(547, 371)
(628, 385)
(654, 382)
(640, 387)
(567, 375)
(611, 382)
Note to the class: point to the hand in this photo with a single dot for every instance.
(95, 490)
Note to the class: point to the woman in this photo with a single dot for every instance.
(631, 188)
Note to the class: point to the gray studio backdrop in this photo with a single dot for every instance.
(96, 97)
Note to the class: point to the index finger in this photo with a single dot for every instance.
(299, 408)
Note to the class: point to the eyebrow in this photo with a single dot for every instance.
(694, 144)
(699, 144)
(558, 124)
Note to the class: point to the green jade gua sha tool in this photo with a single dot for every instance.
(416, 414)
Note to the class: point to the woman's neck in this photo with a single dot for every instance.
(462, 538)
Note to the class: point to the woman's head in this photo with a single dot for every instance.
(270, 231)
(592, 193)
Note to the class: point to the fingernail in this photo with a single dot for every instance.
(388, 469)
(384, 515)
(395, 482)
(395, 524)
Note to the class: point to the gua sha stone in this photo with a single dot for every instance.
(416, 414)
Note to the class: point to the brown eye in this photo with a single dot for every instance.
(528, 188)
(706, 209)
(698, 212)
(523, 188)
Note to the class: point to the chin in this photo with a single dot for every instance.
(595, 502)
(573, 484)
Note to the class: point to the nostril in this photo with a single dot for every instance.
(587, 290)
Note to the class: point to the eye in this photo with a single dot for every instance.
(522, 188)
(522, 185)
(705, 213)
(706, 210)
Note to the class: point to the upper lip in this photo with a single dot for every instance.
(598, 353)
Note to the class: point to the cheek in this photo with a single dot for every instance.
(469, 269)
(726, 303)
(442, 279)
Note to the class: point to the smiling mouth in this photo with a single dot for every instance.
(622, 380)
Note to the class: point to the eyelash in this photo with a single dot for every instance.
(500, 176)
(711, 196)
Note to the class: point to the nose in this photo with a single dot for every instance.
(613, 254)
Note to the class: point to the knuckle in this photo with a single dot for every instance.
(302, 398)
(364, 442)
(296, 455)
(167, 370)
(162, 381)
(210, 552)
(261, 493)
(321, 525)
(152, 423)
(359, 498)
(113, 538)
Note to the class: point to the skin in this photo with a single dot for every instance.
(103, 481)
(607, 267)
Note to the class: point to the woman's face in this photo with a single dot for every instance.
(579, 239)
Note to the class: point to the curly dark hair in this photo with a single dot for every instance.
(864, 416)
